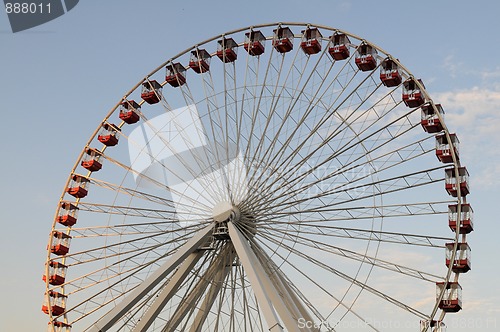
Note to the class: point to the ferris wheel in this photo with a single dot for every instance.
(279, 177)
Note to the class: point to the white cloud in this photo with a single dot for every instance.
(453, 66)
(489, 75)
(475, 116)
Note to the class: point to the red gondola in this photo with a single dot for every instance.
(389, 73)
(311, 41)
(129, 111)
(254, 42)
(56, 302)
(227, 50)
(92, 160)
(199, 61)
(444, 149)
(412, 95)
(430, 118)
(60, 243)
(151, 92)
(462, 262)
(452, 183)
(78, 186)
(108, 134)
(464, 221)
(57, 273)
(67, 214)
(366, 57)
(452, 299)
(340, 46)
(175, 74)
(283, 39)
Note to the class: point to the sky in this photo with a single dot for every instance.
(59, 80)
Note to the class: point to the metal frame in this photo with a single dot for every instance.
(278, 299)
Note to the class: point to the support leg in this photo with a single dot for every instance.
(189, 302)
(263, 287)
(291, 299)
(110, 318)
(212, 293)
(169, 290)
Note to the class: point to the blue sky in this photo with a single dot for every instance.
(60, 79)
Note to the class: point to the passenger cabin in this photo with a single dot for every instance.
(311, 41)
(55, 303)
(129, 111)
(340, 46)
(366, 57)
(67, 215)
(199, 61)
(108, 134)
(57, 273)
(92, 160)
(430, 118)
(56, 326)
(151, 92)
(389, 73)
(227, 50)
(464, 221)
(452, 183)
(452, 299)
(283, 39)
(175, 74)
(444, 148)
(60, 243)
(78, 186)
(412, 95)
(254, 42)
(462, 261)
(432, 326)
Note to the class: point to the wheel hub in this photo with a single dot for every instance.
(224, 212)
